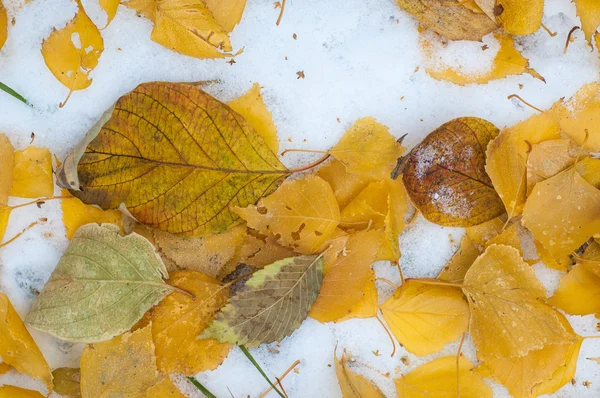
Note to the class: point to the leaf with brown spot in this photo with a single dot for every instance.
(445, 176)
(519, 17)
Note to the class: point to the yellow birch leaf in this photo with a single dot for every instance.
(513, 235)
(518, 17)
(252, 108)
(7, 164)
(110, 8)
(178, 320)
(508, 61)
(549, 158)
(439, 379)
(4, 367)
(368, 149)
(563, 375)
(3, 25)
(345, 185)
(580, 114)
(449, 18)
(32, 175)
(460, 262)
(73, 52)
(303, 212)
(164, 389)
(352, 384)
(66, 382)
(17, 347)
(7, 391)
(76, 213)
(509, 316)
(588, 12)
(578, 292)
(589, 170)
(368, 306)
(122, 367)
(390, 249)
(345, 279)
(336, 247)
(424, 318)
(227, 13)
(562, 212)
(560, 264)
(506, 158)
(4, 216)
(146, 8)
(483, 233)
(368, 208)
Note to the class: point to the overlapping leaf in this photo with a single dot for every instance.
(32, 173)
(352, 384)
(77, 214)
(7, 391)
(66, 382)
(579, 117)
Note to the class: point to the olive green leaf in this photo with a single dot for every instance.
(102, 285)
(273, 303)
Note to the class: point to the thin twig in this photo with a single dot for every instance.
(302, 151)
(13, 93)
(257, 366)
(45, 199)
(552, 34)
(569, 38)
(397, 264)
(590, 337)
(388, 333)
(280, 378)
(311, 165)
(525, 102)
(200, 387)
(389, 282)
(427, 281)
(280, 12)
(14, 238)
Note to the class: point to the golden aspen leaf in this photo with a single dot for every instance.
(578, 292)
(445, 176)
(424, 318)
(4, 216)
(4, 367)
(122, 367)
(7, 391)
(563, 375)
(352, 384)
(253, 109)
(269, 253)
(368, 149)
(449, 18)
(471, 5)
(460, 262)
(588, 12)
(549, 158)
(189, 158)
(179, 319)
(589, 170)
(442, 378)
(560, 264)
(346, 277)
(506, 156)
(164, 389)
(227, 13)
(514, 235)
(389, 249)
(3, 25)
(508, 61)
(580, 113)
(73, 52)
(32, 174)
(146, 8)
(345, 185)
(336, 247)
(17, 347)
(368, 306)
(110, 8)
(483, 233)
(562, 212)
(509, 316)
(7, 164)
(304, 213)
(76, 214)
(368, 208)
(517, 17)
(66, 382)
(487, 7)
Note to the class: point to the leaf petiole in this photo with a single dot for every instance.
(257, 366)
(12, 92)
(200, 387)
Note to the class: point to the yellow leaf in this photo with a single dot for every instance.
(146, 8)
(227, 13)
(368, 149)
(7, 164)
(345, 185)
(7, 391)
(252, 108)
(506, 160)
(17, 347)
(578, 292)
(589, 170)
(518, 17)
(547, 159)
(303, 212)
(424, 318)
(580, 113)
(269, 253)
(164, 389)
(76, 214)
(110, 7)
(562, 212)
(178, 320)
(122, 367)
(439, 379)
(589, 13)
(471, 5)
(563, 375)
(481, 234)
(460, 262)
(352, 384)
(66, 382)
(3, 25)
(508, 61)
(32, 175)
(73, 52)
(560, 264)
(389, 249)
(368, 208)
(345, 279)
(509, 316)
(4, 367)
(514, 235)
(4, 216)
(367, 307)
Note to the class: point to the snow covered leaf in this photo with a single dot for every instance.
(461, 261)
(345, 185)
(176, 157)
(7, 391)
(179, 319)
(102, 285)
(580, 113)
(449, 18)
(284, 290)
(164, 389)
(506, 158)
(122, 367)
(17, 347)
(562, 212)
(439, 378)
(509, 316)
(32, 174)
(508, 61)
(7, 164)
(110, 7)
(352, 384)
(589, 13)
(578, 292)
(519, 17)
(346, 276)
(368, 149)
(76, 213)
(445, 176)
(73, 52)
(424, 318)
(3, 25)
(66, 382)
(549, 158)
(303, 212)
(368, 306)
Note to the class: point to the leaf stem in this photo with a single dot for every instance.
(280, 12)
(427, 281)
(303, 151)
(14, 238)
(590, 337)
(389, 282)
(311, 165)
(257, 366)
(12, 92)
(525, 102)
(389, 335)
(200, 387)
(397, 264)
(281, 378)
(41, 200)
(569, 38)
(552, 34)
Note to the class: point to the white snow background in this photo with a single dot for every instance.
(360, 58)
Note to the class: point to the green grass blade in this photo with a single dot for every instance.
(257, 366)
(200, 387)
(12, 92)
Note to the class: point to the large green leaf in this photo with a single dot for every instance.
(273, 303)
(101, 287)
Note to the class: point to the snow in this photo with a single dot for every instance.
(359, 59)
